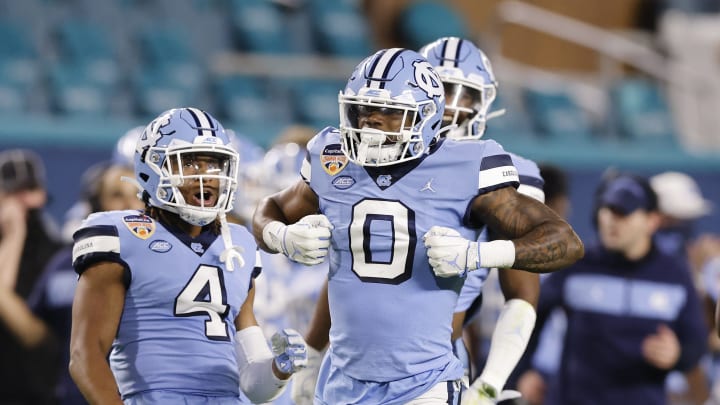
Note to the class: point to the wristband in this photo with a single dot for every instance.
(257, 379)
(496, 253)
(472, 261)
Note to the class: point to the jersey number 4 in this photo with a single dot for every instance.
(205, 295)
(382, 241)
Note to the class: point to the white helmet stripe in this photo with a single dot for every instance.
(382, 64)
(450, 52)
(205, 127)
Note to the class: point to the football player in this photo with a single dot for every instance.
(400, 209)
(168, 292)
(470, 89)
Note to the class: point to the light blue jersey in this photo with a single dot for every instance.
(177, 330)
(391, 317)
(531, 184)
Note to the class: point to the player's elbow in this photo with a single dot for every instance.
(575, 249)
(76, 365)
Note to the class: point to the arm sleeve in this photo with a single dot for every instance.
(551, 297)
(257, 380)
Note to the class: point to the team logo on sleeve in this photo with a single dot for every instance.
(333, 160)
(141, 226)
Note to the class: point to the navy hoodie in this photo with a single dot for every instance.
(612, 304)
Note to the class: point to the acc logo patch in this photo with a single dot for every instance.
(160, 246)
(343, 182)
(141, 226)
(333, 160)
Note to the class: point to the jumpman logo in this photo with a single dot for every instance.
(428, 186)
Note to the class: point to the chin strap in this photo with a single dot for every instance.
(231, 252)
(134, 183)
(495, 114)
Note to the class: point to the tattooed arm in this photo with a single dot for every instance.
(543, 241)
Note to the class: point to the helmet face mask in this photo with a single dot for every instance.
(391, 108)
(185, 164)
(464, 70)
(378, 132)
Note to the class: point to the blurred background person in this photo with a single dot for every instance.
(28, 238)
(286, 291)
(704, 257)
(681, 204)
(633, 314)
(51, 300)
(556, 188)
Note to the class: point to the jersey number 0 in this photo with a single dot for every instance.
(382, 241)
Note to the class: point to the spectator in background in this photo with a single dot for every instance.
(27, 241)
(633, 312)
(705, 258)
(556, 189)
(681, 205)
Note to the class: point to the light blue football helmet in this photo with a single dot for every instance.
(124, 151)
(466, 72)
(173, 138)
(392, 81)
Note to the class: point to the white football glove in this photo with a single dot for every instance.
(480, 393)
(449, 253)
(305, 241)
(304, 381)
(290, 351)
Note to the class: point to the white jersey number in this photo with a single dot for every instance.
(205, 295)
(382, 241)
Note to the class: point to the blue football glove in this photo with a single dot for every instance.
(290, 351)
